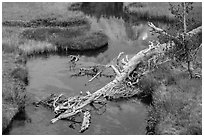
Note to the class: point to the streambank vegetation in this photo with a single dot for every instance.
(14, 81)
(46, 35)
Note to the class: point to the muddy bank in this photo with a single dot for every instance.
(14, 81)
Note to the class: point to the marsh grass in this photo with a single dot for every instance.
(75, 38)
(179, 108)
(27, 11)
(47, 33)
(51, 22)
(14, 77)
(159, 12)
(88, 41)
(50, 39)
(36, 47)
(151, 11)
(6, 48)
(10, 39)
(176, 106)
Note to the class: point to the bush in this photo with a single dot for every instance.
(6, 48)
(20, 74)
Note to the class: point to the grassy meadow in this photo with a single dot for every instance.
(159, 11)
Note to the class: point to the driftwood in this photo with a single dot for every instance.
(86, 121)
(94, 71)
(128, 74)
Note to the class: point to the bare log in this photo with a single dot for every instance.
(195, 31)
(95, 76)
(66, 114)
(86, 121)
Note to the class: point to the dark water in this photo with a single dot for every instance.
(51, 75)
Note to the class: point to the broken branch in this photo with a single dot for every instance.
(195, 31)
(86, 121)
(161, 31)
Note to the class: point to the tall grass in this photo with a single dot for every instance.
(14, 76)
(180, 108)
(151, 11)
(10, 36)
(177, 103)
(27, 11)
(88, 41)
(73, 38)
(152, 14)
(50, 22)
(36, 47)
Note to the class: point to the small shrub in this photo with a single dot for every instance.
(137, 5)
(75, 6)
(148, 85)
(20, 74)
(6, 48)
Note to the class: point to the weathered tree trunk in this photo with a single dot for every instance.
(109, 89)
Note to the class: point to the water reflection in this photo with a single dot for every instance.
(123, 37)
(113, 11)
(125, 32)
(103, 9)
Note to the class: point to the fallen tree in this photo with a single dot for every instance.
(128, 74)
